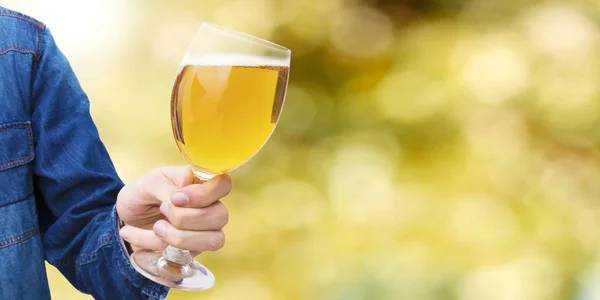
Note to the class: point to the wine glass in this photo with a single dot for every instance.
(225, 104)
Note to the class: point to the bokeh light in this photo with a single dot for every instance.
(427, 149)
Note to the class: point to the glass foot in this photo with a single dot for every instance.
(190, 277)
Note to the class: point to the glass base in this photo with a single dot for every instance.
(190, 277)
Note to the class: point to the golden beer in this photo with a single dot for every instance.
(225, 108)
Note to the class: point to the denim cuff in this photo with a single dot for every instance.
(148, 287)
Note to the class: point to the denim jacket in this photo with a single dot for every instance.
(58, 186)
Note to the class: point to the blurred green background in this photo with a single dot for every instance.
(428, 149)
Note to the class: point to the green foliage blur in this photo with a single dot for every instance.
(427, 149)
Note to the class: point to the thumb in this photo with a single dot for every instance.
(179, 176)
(158, 185)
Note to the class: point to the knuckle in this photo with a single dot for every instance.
(222, 217)
(156, 173)
(158, 245)
(202, 197)
(227, 183)
(216, 241)
(133, 239)
(176, 239)
(175, 218)
(137, 188)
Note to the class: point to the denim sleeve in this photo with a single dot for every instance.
(77, 182)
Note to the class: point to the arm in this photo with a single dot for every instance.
(77, 182)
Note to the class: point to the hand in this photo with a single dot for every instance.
(194, 213)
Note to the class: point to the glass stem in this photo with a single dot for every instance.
(178, 256)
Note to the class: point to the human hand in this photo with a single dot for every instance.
(169, 206)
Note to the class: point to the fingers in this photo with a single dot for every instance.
(200, 241)
(212, 217)
(203, 194)
(146, 239)
(194, 214)
(164, 234)
(142, 238)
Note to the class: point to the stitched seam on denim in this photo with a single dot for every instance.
(20, 160)
(14, 126)
(18, 238)
(21, 199)
(16, 162)
(64, 262)
(40, 42)
(152, 295)
(31, 146)
(91, 257)
(153, 290)
(39, 24)
(82, 259)
(20, 50)
(86, 259)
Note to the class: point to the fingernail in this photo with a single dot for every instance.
(164, 208)
(124, 233)
(180, 199)
(160, 229)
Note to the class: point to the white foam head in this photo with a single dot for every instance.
(235, 60)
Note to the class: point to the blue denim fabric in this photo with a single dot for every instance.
(58, 186)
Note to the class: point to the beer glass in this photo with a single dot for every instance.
(225, 104)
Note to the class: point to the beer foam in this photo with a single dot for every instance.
(235, 60)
